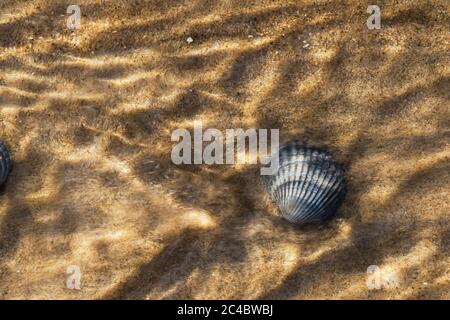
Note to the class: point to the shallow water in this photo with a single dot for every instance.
(88, 115)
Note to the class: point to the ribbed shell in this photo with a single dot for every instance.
(309, 185)
(5, 163)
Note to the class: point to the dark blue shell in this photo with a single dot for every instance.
(309, 185)
(5, 163)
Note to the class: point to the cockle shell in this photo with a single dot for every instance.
(5, 163)
(309, 184)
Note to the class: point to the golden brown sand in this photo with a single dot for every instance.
(88, 117)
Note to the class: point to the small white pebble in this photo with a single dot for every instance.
(250, 36)
(306, 45)
(189, 40)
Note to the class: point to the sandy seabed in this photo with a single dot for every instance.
(88, 116)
